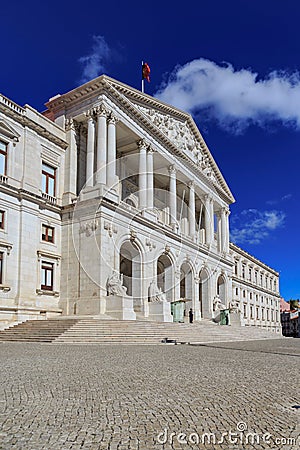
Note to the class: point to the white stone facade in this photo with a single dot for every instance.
(111, 184)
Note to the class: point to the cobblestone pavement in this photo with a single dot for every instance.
(134, 397)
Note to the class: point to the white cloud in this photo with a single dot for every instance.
(253, 226)
(93, 64)
(235, 98)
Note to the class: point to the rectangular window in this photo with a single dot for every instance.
(48, 179)
(2, 217)
(250, 295)
(263, 314)
(47, 233)
(243, 270)
(47, 276)
(235, 267)
(257, 313)
(3, 158)
(244, 294)
(245, 311)
(255, 275)
(236, 291)
(251, 312)
(1, 267)
(250, 274)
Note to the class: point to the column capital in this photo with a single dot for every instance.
(172, 168)
(207, 198)
(141, 143)
(191, 184)
(89, 114)
(112, 120)
(100, 110)
(151, 150)
(70, 124)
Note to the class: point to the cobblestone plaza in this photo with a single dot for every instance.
(234, 395)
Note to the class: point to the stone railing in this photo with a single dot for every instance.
(49, 198)
(12, 105)
(3, 179)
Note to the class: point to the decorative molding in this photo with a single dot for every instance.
(44, 254)
(6, 246)
(45, 292)
(111, 228)
(89, 227)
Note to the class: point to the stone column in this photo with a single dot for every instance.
(219, 231)
(111, 152)
(224, 233)
(208, 219)
(90, 151)
(173, 197)
(142, 175)
(150, 179)
(192, 210)
(70, 181)
(101, 145)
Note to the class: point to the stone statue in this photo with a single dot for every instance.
(114, 284)
(234, 306)
(155, 293)
(218, 305)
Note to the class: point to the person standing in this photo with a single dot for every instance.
(191, 315)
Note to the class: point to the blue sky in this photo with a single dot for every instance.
(233, 65)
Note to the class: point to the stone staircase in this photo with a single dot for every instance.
(97, 331)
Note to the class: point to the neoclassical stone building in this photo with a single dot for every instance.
(112, 205)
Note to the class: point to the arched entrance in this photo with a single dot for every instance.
(205, 306)
(221, 289)
(165, 276)
(131, 267)
(186, 286)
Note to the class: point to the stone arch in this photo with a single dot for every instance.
(204, 293)
(165, 275)
(221, 288)
(130, 266)
(187, 283)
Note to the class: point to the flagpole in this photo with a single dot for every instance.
(143, 81)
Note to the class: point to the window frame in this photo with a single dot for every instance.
(45, 267)
(5, 153)
(2, 219)
(48, 175)
(47, 228)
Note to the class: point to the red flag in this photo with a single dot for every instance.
(146, 72)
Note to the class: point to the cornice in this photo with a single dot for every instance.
(21, 194)
(247, 255)
(19, 115)
(132, 111)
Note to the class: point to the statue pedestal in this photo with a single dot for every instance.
(120, 307)
(236, 319)
(160, 312)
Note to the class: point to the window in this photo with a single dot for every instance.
(1, 267)
(3, 158)
(47, 276)
(236, 291)
(250, 274)
(255, 275)
(236, 267)
(245, 311)
(48, 179)
(263, 314)
(257, 313)
(250, 295)
(251, 312)
(47, 233)
(2, 217)
(244, 294)
(243, 270)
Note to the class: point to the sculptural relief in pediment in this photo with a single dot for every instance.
(180, 134)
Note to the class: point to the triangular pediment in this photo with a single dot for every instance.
(8, 131)
(180, 130)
